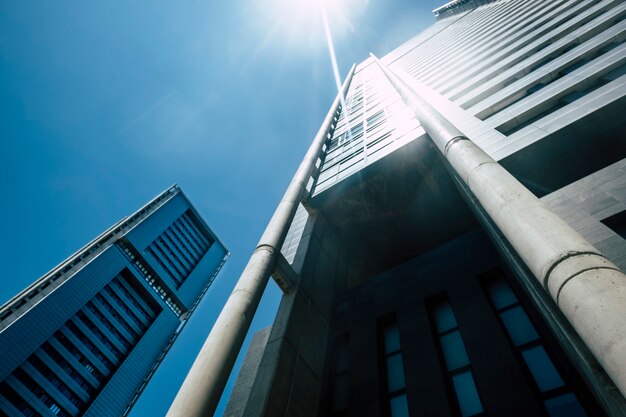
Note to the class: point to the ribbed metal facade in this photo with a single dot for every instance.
(84, 339)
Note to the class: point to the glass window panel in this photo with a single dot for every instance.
(501, 294)
(565, 405)
(340, 394)
(466, 394)
(342, 360)
(519, 326)
(395, 372)
(444, 316)
(392, 338)
(399, 406)
(454, 351)
(542, 368)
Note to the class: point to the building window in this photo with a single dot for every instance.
(455, 360)
(393, 366)
(28, 382)
(16, 400)
(556, 397)
(180, 247)
(617, 223)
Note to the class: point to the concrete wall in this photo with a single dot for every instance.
(289, 376)
(585, 203)
(455, 268)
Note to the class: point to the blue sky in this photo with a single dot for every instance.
(105, 104)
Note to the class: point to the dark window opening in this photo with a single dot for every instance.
(551, 389)
(455, 361)
(617, 223)
(392, 370)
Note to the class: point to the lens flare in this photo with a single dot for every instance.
(331, 52)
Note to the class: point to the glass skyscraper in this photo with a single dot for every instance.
(410, 293)
(85, 339)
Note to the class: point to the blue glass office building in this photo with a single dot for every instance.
(85, 338)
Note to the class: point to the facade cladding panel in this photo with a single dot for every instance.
(86, 337)
(410, 300)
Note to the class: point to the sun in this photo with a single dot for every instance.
(300, 22)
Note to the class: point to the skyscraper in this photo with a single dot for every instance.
(459, 245)
(86, 338)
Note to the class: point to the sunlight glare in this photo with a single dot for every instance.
(331, 51)
(297, 24)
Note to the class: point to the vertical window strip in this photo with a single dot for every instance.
(166, 269)
(27, 382)
(87, 343)
(55, 381)
(124, 317)
(193, 246)
(124, 290)
(141, 318)
(394, 370)
(183, 248)
(70, 345)
(105, 325)
(85, 325)
(195, 232)
(557, 397)
(16, 400)
(455, 358)
(161, 259)
(72, 355)
(185, 223)
(184, 230)
(69, 369)
(134, 288)
(169, 257)
(176, 252)
(115, 318)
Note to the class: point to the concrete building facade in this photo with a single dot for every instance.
(459, 245)
(85, 339)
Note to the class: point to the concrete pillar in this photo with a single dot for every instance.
(204, 384)
(587, 287)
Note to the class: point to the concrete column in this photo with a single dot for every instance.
(587, 287)
(204, 384)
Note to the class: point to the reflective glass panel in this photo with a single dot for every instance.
(542, 368)
(395, 372)
(519, 326)
(399, 406)
(392, 338)
(454, 350)
(565, 405)
(466, 394)
(444, 316)
(501, 294)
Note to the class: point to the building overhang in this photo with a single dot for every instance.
(396, 208)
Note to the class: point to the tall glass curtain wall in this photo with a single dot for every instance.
(68, 370)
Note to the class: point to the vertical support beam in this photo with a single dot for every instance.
(204, 384)
(588, 288)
